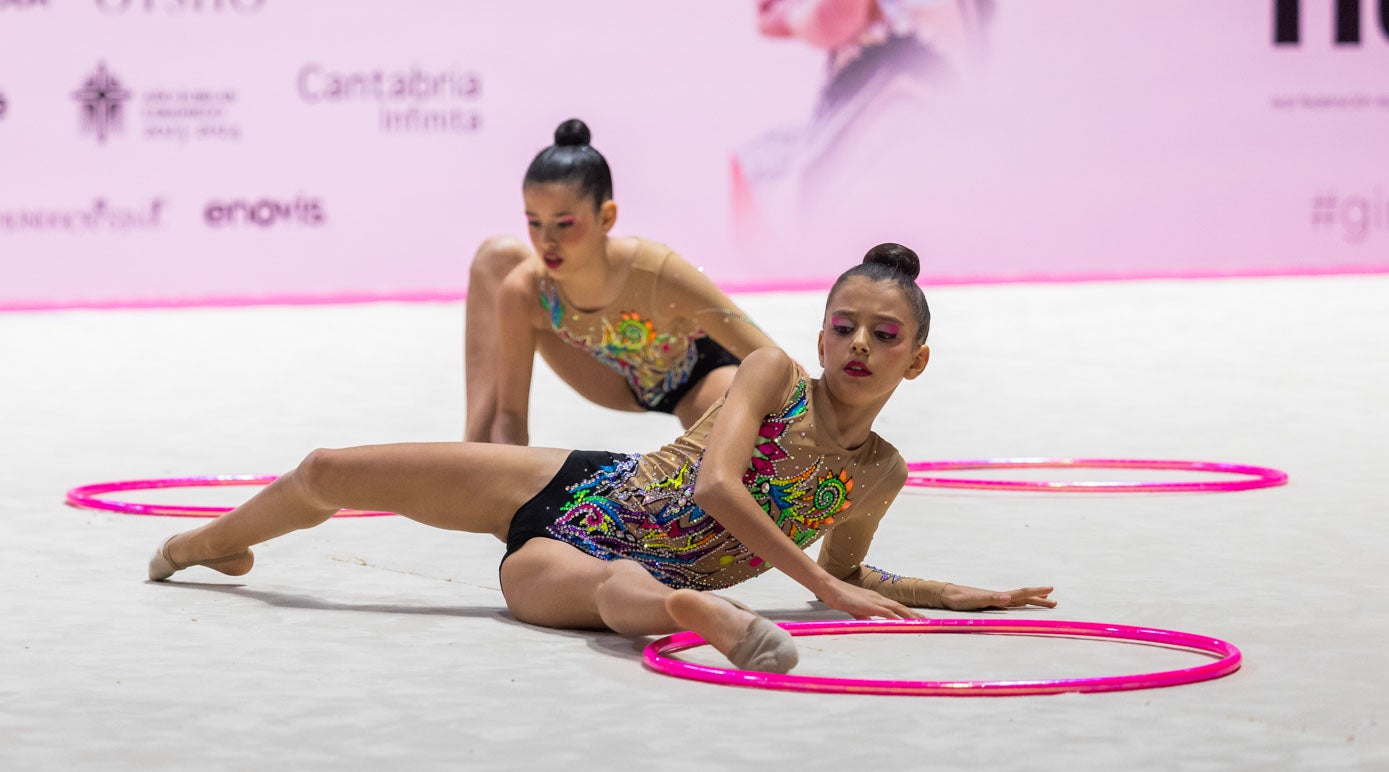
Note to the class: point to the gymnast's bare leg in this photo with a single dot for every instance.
(455, 486)
(553, 584)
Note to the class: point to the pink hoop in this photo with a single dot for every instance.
(85, 496)
(1259, 476)
(1229, 659)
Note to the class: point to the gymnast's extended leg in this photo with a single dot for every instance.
(452, 485)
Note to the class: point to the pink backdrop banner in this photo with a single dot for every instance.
(158, 152)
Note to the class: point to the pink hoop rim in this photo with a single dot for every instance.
(654, 657)
(1255, 476)
(87, 496)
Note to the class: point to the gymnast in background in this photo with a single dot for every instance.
(636, 543)
(626, 322)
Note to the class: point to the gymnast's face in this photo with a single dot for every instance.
(821, 23)
(566, 227)
(868, 341)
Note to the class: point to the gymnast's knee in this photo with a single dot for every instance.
(314, 474)
(618, 573)
(495, 258)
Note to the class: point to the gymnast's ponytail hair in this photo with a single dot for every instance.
(571, 159)
(899, 265)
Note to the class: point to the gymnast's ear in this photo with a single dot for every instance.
(607, 215)
(923, 355)
(820, 347)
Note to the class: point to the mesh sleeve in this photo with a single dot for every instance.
(918, 593)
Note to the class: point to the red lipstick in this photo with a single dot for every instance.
(857, 369)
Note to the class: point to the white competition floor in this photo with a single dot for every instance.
(379, 643)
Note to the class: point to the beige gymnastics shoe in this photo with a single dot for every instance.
(764, 647)
(162, 566)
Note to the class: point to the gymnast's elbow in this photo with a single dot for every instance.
(715, 492)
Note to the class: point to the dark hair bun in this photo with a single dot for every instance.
(572, 132)
(897, 257)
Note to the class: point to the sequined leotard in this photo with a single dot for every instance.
(641, 506)
(659, 356)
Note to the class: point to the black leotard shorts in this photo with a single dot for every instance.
(535, 517)
(709, 356)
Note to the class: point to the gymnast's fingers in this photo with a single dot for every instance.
(886, 609)
(902, 611)
(1033, 596)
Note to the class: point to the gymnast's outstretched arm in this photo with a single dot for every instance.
(843, 549)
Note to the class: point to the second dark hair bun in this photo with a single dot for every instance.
(897, 257)
(572, 132)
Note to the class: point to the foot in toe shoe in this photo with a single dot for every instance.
(162, 566)
(765, 648)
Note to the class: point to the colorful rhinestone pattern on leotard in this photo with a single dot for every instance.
(632, 510)
(654, 363)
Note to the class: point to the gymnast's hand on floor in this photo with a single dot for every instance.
(958, 597)
(865, 604)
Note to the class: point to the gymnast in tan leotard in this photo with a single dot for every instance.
(626, 322)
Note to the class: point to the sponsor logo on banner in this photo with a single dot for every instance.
(182, 114)
(407, 101)
(264, 212)
(99, 217)
(1287, 21)
(175, 7)
(22, 4)
(1354, 217)
(102, 99)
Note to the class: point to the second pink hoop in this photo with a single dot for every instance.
(1228, 659)
(1253, 476)
(88, 496)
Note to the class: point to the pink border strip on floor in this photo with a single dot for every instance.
(235, 301)
(798, 285)
(1042, 278)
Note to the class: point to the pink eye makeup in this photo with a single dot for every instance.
(889, 328)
